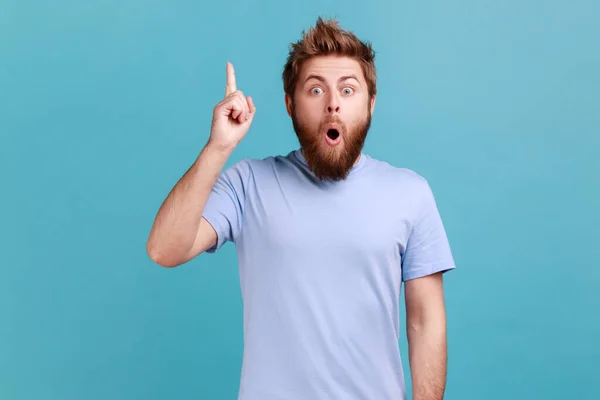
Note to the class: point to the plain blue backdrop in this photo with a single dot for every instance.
(105, 104)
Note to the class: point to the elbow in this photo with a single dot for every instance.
(426, 324)
(160, 257)
(415, 328)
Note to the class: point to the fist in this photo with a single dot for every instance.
(232, 116)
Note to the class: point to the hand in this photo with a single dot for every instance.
(232, 116)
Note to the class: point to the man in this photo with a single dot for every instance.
(325, 235)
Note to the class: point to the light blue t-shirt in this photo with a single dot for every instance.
(321, 266)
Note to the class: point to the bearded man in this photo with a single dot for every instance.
(325, 236)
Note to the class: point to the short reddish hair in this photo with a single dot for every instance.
(328, 38)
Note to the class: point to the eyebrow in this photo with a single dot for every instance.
(341, 79)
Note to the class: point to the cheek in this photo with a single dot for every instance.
(356, 105)
(357, 114)
(308, 114)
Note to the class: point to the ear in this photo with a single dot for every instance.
(373, 104)
(288, 104)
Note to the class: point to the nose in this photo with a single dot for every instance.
(333, 104)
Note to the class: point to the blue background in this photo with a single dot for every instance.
(105, 104)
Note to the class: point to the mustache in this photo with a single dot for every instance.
(332, 120)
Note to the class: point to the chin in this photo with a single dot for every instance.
(329, 162)
(331, 158)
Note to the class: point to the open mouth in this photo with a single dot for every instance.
(333, 134)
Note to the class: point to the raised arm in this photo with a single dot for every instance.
(179, 232)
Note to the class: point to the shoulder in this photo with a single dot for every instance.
(248, 169)
(393, 176)
(404, 189)
(255, 165)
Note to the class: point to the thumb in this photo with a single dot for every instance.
(251, 108)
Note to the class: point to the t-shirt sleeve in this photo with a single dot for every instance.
(427, 249)
(224, 209)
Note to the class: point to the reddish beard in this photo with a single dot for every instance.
(331, 163)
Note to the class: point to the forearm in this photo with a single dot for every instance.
(177, 221)
(428, 358)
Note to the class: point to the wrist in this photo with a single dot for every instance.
(223, 149)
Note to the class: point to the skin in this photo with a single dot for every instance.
(331, 89)
(179, 232)
(426, 336)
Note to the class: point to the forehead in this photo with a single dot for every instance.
(330, 68)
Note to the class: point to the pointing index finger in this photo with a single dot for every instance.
(230, 86)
